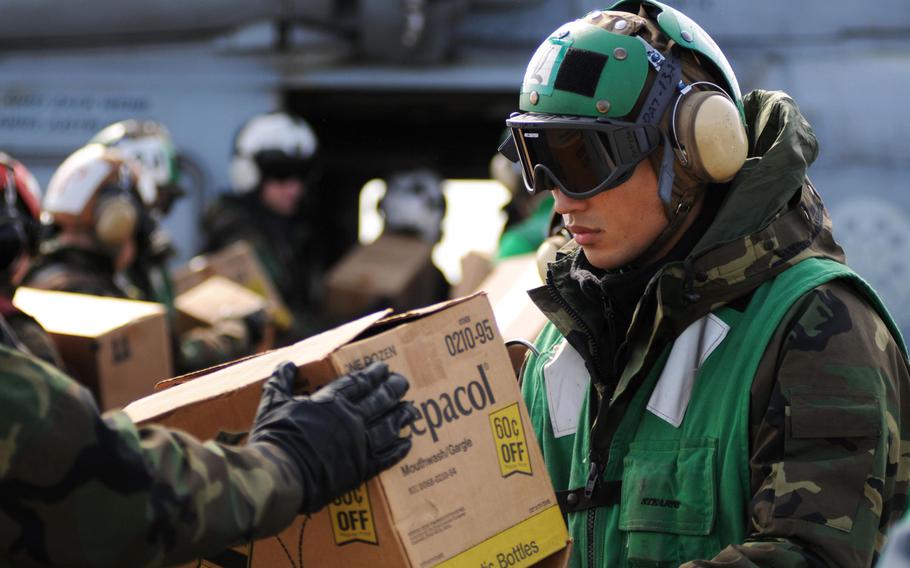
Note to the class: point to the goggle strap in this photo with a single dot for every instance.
(642, 138)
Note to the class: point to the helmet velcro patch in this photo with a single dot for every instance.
(580, 71)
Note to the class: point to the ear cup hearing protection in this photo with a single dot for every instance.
(710, 137)
(244, 174)
(557, 238)
(116, 213)
(13, 238)
(116, 219)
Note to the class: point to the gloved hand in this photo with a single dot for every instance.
(342, 435)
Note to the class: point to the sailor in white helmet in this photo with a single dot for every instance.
(273, 172)
(148, 145)
(413, 206)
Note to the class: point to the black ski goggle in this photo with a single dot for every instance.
(580, 156)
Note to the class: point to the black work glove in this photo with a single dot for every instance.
(342, 435)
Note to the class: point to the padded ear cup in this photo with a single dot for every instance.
(116, 218)
(546, 253)
(711, 137)
(244, 174)
(556, 239)
(13, 240)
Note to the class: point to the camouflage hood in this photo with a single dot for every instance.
(771, 218)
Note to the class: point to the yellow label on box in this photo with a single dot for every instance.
(510, 441)
(352, 518)
(524, 544)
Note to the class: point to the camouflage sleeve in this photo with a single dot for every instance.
(35, 339)
(830, 429)
(79, 489)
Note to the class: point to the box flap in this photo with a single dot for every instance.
(81, 314)
(248, 371)
(186, 377)
(418, 313)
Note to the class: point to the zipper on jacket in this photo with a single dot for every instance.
(594, 472)
(596, 469)
(592, 517)
(564, 304)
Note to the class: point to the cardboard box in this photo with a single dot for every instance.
(507, 286)
(213, 300)
(391, 272)
(475, 267)
(517, 316)
(237, 262)
(117, 348)
(473, 491)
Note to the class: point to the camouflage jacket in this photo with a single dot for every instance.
(810, 505)
(25, 332)
(72, 269)
(81, 489)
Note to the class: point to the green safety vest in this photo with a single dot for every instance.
(684, 491)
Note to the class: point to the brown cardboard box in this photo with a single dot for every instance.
(473, 491)
(237, 262)
(517, 316)
(393, 271)
(475, 267)
(213, 300)
(507, 286)
(118, 348)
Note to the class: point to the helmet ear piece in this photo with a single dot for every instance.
(244, 174)
(116, 218)
(711, 140)
(13, 238)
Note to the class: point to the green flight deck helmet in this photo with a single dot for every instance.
(606, 91)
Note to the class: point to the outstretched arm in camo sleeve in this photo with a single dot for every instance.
(830, 429)
(78, 488)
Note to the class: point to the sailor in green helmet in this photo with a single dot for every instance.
(715, 386)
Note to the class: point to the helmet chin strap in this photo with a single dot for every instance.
(665, 87)
(677, 218)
